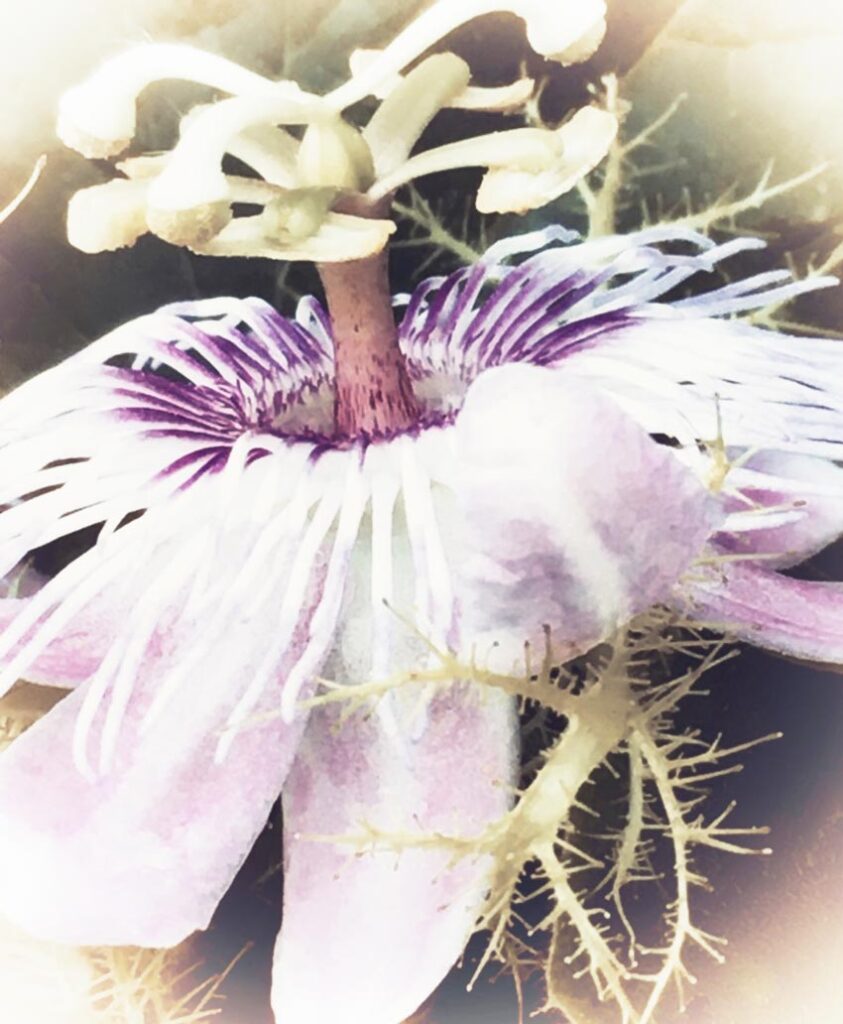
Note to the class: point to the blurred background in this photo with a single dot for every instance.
(762, 82)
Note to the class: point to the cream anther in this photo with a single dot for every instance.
(523, 149)
(416, 99)
(109, 216)
(97, 118)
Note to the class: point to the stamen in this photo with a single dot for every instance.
(400, 120)
(524, 149)
(97, 118)
(498, 99)
(193, 175)
(501, 99)
(581, 143)
(563, 37)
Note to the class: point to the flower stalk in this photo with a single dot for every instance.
(373, 396)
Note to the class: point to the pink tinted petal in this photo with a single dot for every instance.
(140, 850)
(812, 487)
(574, 517)
(794, 617)
(73, 656)
(366, 936)
(143, 854)
(126, 811)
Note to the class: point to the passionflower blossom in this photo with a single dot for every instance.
(548, 443)
(245, 549)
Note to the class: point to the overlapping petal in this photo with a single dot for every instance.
(573, 518)
(411, 762)
(73, 656)
(769, 404)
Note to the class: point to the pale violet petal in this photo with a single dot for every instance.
(76, 652)
(809, 488)
(574, 518)
(390, 922)
(798, 618)
(122, 824)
